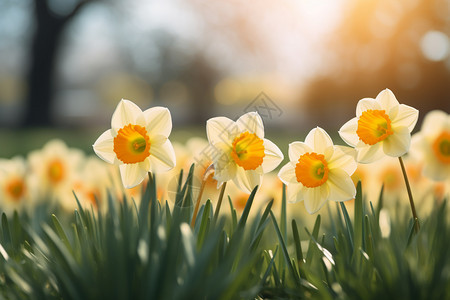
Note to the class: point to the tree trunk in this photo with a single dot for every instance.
(43, 58)
(40, 96)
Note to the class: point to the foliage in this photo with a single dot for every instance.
(148, 251)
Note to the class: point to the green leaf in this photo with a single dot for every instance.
(348, 224)
(62, 235)
(284, 251)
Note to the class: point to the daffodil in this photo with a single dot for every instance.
(318, 171)
(241, 153)
(90, 185)
(55, 166)
(432, 145)
(16, 189)
(382, 126)
(137, 142)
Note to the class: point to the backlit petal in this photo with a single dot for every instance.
(162, 157)
(341, 186)
(126, 113)
(397, 144)
(158, 121)
(104, 147)
(132, 174)
(365, 104)
(247, 180)
(342, 160)
(319, 140)
(405, 116)
(387, 100)
(221, 129)
(287, 174)
(225, 168)
(294, 192)
(252, 123)
(315, 198)
(348, 132)
(297, 149)
(367, 153)
(272, 158)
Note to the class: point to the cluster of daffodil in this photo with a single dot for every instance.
(317, 171)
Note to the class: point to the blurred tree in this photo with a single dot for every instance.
(51, 18)
(378, 45)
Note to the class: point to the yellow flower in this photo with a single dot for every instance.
(241, 153)
(318, 171)
(137, 142)
(432, 145)
(381, 126)
(54, 167)
(90, 186)
(16, 189)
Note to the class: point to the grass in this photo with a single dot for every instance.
(150, 252)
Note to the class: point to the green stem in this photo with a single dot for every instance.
(411, 201)
(219, 202)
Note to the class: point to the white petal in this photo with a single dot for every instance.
(126, 113)
(287, 174)
(434, 122)
(297, 149)
(158, 121)
(162, 157)
(343, 161)
(272, 158)
(315, 198)
(319, 140)
(252, 123)
(104, 147)
(157, 140)
(221, 129)
(367, 153)
(132, 174)
(224, 171)
(398, 143)
(387, 100)
(404, 116)
(341, 186)
(294, 192)
(365, 104)
(224, 165)
(435, 170)
(55, 146)
(247, 180)
(348, 132)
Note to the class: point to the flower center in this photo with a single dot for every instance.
(311, 170)
(55, 171)
(441, 147)
(374, 126)
(248, 151)
(132, 144)
(16, 189)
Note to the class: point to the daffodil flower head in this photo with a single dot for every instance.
(241, 153)
(432, 145)
(381, 127)
(318, 171)
(54, 167)
(16, 188)
(137, 142)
